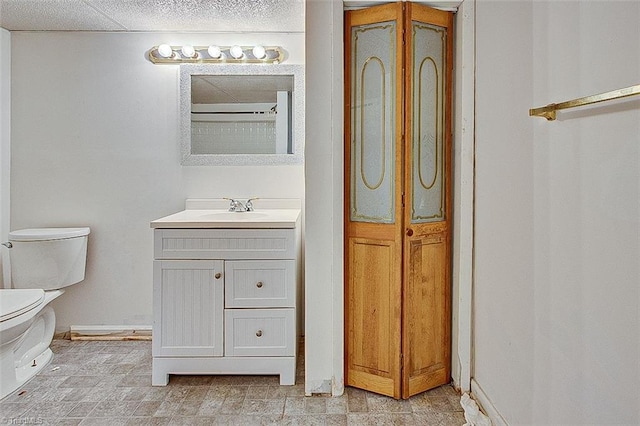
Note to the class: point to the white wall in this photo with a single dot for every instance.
(5, 147)
(463, 187)
(324, 199)
(95, 143)
(557, 303)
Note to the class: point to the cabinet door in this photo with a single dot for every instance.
(188, 299)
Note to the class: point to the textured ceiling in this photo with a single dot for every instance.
(153, 15)
(220, 89)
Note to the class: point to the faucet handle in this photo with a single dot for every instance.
(233, 204)
(249, 203)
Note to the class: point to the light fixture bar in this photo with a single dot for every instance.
(165, 54)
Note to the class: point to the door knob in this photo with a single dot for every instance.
(409, 232)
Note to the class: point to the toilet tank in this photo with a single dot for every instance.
(48, 258)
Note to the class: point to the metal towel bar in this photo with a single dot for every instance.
(549, 111)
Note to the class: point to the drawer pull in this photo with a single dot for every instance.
(218, 275)
(259, 284)
(259, 333)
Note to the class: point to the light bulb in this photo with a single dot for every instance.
(259, 52)
(165, 51)
(236, 52)
(188, 51)
(214, 52)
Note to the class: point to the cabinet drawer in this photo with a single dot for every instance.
(259, 332)
(260, 284)
(225, 243)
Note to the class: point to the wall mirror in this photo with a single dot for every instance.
(242, 114)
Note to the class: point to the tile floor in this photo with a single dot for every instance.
(109, 383)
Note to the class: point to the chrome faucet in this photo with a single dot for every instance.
(239, 206)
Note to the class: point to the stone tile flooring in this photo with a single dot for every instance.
(109, 383)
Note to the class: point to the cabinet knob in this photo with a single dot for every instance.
(218, 275)
(259, 333)
(259, 284)
(409, 232)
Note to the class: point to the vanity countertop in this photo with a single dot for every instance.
(218, 218)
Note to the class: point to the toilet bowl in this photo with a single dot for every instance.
(43, 262)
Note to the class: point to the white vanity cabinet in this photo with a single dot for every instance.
(225, 301)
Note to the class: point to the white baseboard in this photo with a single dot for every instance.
(486, 405)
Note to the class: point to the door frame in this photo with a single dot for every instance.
(324, 354)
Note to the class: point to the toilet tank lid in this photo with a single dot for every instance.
(45, 234)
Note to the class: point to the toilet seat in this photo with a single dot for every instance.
(47, 234)
(15, 302)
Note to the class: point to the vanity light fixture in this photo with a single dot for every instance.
(236, 52)
(213, 54)
(188, 51)
(259, 52)
(165, 51)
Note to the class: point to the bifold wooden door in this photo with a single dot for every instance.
(398, 62)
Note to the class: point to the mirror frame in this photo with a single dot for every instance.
(297, 127)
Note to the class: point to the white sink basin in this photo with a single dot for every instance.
(267, 218)
(233, 215)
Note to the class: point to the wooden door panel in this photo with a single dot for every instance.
(426, 314)
(372, 316)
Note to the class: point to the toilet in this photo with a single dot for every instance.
(43, 262)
